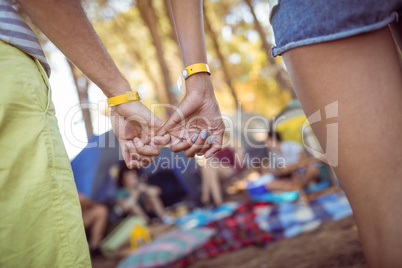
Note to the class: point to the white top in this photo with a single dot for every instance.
(289, 154)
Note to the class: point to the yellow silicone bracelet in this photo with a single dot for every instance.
(195, 68)
(120, 99)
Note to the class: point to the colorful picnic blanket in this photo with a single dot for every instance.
(203, 216)
(290, 219)
(257, 223)
(167, 248)
(232, 233)
(261, 223)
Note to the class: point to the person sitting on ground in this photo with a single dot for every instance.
(95, 217)
(136, 196)
(287, 164)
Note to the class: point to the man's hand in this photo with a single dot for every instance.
(135, 126)
(197, 116)
(66, 25)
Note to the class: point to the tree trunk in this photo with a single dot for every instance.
(145, 67)
(279, 73)
(214, 39)
(82, 90)
(150, 19)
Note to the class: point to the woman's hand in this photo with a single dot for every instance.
(196, 127)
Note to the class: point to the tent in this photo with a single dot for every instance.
(92, 177)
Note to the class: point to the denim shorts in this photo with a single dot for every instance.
(299, 22)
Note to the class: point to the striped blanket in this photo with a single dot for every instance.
(290, 219)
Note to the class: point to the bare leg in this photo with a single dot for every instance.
(96, 220)
(137, 210)
(212, 185)
(156, 203)
(205, 193)
(363, 74)
(396, 29)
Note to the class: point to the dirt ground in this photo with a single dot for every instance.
(334, 244)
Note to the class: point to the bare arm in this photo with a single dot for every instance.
(199, 109)
(66, 25)
(64, 22)
(126, 204)
(190, 30)
(189, 27)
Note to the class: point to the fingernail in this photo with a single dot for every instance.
(211, 140)
(203, 134)
(195, 137)
(136, 140)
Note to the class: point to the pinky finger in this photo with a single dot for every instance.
(207, 145)
(126, 153)
(213, 150)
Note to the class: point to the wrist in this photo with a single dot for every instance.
(127, 108)
(116, 88)
(199, 83)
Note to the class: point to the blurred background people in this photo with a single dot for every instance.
(135, 196)
(288, 164)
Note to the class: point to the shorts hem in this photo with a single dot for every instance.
(277, 51)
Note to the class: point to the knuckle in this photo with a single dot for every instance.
(189, 154)
(134, 165)
(198, 145)
(140, 152)
(146, 162)
(175, 149)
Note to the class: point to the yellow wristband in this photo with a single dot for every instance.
(120, 99)
(195, 68)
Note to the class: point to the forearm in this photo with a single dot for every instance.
(125, 205)
(189, 26)
(187, 15)
(66, 25)
(312, 173)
